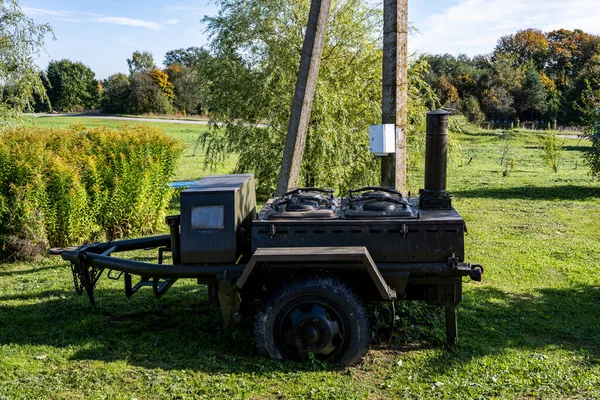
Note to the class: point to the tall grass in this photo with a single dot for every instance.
(60, 187)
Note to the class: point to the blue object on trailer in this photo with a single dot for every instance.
(181, 184)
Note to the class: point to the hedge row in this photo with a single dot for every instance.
(60, 187)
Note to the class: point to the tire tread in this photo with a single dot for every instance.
(307, 284)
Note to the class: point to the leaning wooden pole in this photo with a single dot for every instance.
(306, 85)
(395, 89)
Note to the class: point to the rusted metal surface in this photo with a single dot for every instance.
(395, 89)
(304, 95)
(229, 301)
(451, 326)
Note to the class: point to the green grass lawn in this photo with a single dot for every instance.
(530, 330)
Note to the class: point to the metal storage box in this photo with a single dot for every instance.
(216, 215)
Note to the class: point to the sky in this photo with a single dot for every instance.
(104, 33)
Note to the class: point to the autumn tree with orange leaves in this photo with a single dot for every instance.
(530, 76)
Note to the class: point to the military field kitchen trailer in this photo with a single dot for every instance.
(311, 259)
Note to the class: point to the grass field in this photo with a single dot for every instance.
(530, 330)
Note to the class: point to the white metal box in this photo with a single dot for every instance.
(383, 139)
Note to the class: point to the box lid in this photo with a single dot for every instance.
(218, 183)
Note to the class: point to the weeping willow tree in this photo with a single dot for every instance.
(21, 41)
(257, 46)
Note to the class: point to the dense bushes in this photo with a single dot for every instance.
(182, 87)
(146, 96)
(63, 187)
(138, 94)
(116, 93)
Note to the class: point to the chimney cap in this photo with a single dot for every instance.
(439, 111)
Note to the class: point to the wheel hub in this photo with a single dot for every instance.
(312, 334)
(312, 328)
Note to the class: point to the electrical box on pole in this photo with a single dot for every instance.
(382, 139)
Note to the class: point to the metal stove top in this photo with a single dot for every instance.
(364, 203)
(375, 202)
(310, 203)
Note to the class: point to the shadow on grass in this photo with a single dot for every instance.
(182, 331)
(581, 149)
(481, 133)
(563, 192)
(30, 271)
(563, 317)
(493, 321)
(27, 296)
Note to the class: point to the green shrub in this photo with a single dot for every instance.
(553, 149)
(67, 186)
(470, 108)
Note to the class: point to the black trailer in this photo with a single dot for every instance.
(313, 260)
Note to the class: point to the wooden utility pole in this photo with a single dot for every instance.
(395, 89)
(306, 84)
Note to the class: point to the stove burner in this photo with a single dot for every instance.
(302, 206)
(376, 193)
(379, 206)
(377, 202)
(311, 203)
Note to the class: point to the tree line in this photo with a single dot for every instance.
(180, 87)
(245, 80)
(530, 76)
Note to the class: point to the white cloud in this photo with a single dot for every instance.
(130, 22)
(69, 17)
(92, 14)
(44, 11)
(173, 21)
(68, 20)
(474, 26)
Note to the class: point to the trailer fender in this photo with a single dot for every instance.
(333, 257)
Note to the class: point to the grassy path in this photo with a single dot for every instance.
(530, 330)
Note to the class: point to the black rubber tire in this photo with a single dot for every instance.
(326, 290)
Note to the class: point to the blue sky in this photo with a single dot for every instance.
(103, 33)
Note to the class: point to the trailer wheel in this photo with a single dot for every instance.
(318, 315)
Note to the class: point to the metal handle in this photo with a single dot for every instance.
(375, 197)
(309, 189)
(376, 188)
